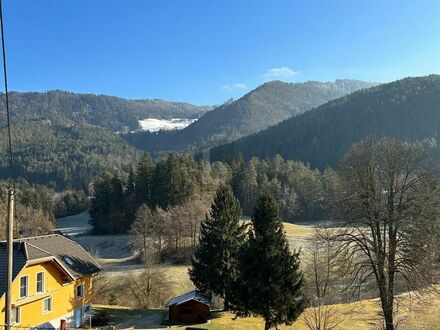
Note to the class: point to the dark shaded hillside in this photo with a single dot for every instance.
(60, 156)
(408, 108)
(109, 112)
(267, 105)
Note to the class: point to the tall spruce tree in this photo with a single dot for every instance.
(107, 211)
(270, 283)
(214, 266)
(131, 203)
(143, 181)
(100, 204)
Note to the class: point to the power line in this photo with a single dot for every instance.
(11, 160)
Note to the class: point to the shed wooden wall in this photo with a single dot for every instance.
(199, 312)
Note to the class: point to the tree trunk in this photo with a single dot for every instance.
(144, 249)
(226, 305)
(267, 327)
(388, 315)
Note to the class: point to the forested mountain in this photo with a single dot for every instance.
(407, 108)
(61, 156)
(112, 113)
(64, 139)
(267, 105)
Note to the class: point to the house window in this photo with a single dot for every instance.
(24, 286)
(16, 315)
(69, 260)
(47, 305)
(40, 282)
(80, 291)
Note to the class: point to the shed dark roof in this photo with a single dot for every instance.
(193, 295)
(69, 254)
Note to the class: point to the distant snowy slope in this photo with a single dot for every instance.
(155, 125)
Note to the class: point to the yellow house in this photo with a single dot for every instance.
(52, 282)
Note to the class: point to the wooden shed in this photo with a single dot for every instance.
(191, 307)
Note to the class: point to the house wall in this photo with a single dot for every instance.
(199, 312)
(64, 302)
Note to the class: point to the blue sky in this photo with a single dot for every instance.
(206, 52)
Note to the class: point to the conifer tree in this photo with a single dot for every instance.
(144, 180)
(100, 204)
(214, 266)
(270, 283)
(131, 204)
(117, 216)
(131, 184)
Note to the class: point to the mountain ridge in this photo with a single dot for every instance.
(408, 108)
(109, 112)
(266, 105)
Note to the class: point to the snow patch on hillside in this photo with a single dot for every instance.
(155, 125)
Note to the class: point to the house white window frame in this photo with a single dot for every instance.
(43, 305)
(82, 291)
(17, 310)
(43, 282)
(27, 287)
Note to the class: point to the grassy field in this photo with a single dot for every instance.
(300, 231)
(364, 315)
(178, 275)
(361, 316)
(116, 256)
(297, 235)
(179, 278)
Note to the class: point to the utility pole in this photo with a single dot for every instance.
(9, 258)
(11, 192)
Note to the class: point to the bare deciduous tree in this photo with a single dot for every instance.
(148, 226)
(324, 269)
(194, 212)
(29, 221)
(142, 227)
(176, 226)
(321, 317)
(149, 288)
(160, 220)
(184, 221)
(389, 210)
(323, 264)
